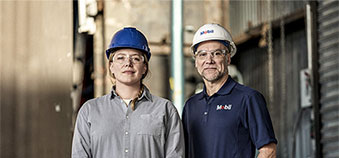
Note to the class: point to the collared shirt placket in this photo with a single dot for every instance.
(127, 128)
(208, 103)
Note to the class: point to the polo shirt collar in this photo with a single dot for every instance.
(225, 89)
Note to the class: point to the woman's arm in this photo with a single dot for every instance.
(81, 138)
(175, 145)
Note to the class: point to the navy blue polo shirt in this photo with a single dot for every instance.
(231, 123)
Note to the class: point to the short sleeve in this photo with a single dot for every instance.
(258, 120)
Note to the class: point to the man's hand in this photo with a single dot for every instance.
(268, 151)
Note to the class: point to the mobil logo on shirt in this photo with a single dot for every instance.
(226, 107)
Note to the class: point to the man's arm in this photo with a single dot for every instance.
(268, 151)
(260, 125)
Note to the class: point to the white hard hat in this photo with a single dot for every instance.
(210, 32)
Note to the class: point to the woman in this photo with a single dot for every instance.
(129, 122)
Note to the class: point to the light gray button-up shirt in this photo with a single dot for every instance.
(107, 128)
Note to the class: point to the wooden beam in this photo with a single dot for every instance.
(257, 31)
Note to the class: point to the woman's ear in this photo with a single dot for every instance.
(111, 67)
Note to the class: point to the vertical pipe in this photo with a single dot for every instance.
(309, 35)
(81, 12)
(270, 57)
(283, 111)
(78, 62)
(312, 46)
(177, 56)
(99, 58)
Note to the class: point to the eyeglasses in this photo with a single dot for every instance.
(217, 54)
(123, 58)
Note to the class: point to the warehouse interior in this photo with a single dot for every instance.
(53, 60)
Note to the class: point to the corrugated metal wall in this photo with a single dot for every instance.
(252, 62)
(36, 79)
(328, 34)
(245, 14)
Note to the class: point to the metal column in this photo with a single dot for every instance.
(177, 78)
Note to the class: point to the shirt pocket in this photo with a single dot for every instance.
(149, 125)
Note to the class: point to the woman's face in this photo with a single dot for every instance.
(128, 66)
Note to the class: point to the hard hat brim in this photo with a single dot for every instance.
(228, 44)
(111, 50)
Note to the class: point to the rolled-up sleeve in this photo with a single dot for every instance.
(175, 146)
(81, 138)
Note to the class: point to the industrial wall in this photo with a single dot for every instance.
(245, 15)
(281, 73)
(36, 79)
(45, 61)
(289, 58)
(328, 52)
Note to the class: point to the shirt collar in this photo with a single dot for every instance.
(225, 89)
(145, 94)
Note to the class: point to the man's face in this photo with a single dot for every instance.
(212, 67)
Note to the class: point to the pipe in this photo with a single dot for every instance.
(177, 59)
(270, 57)
(82, 13)
(99, 57)
(312, 46)
(309, 35)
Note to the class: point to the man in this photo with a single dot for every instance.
(226, 119)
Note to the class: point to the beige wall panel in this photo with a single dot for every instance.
(200, 12)
(36, 77)
(157, 79)
(152, 17)
(149, 16)
(7, 86)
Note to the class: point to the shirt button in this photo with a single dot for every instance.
(126, 133)
(126, 150)
(205, 113)
(127, 116)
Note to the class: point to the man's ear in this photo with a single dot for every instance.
(228, 58)
(145, 69)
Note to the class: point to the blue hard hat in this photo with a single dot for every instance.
(129, 37)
